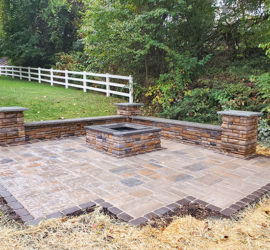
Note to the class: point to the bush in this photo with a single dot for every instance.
(263, 92)
(264, 132)
(170, 87)
(197, 105)
(74, 61)
(235, 97)
(202, 104)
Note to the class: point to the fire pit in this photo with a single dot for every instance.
(123, 139)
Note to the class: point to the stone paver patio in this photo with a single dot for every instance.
(50, 176)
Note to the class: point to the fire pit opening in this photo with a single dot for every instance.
(124, 129)
(123, 139)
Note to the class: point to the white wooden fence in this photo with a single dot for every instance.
(84, 80)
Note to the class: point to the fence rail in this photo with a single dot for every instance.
(105, 83)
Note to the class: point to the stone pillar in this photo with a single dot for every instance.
(239, 132)
(12, 125)
(129, 109)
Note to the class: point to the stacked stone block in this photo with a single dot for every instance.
(123, 146)
(12, 125)
(46, 130)
(239, 132)
(237, 135)
(189, 132)
(129, 109)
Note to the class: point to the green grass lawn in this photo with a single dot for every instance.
(51, 103)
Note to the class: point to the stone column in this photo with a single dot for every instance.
(129, 109)
(239, 132)
(12, 125)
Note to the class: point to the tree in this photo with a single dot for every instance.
(146, 38)
(35, 30)
(266, 46)
(241, 26)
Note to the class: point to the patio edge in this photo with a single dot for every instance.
(230, 212)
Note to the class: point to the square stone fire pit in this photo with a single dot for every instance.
(123, 139)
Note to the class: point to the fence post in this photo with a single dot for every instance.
(6, 70)
(0, 70)
(39, 76)
(51, 76)
(20, 73)
(29, 74)
(12, 72)
(66, 78)
(84, 81)
(107, 85)
(130, 89)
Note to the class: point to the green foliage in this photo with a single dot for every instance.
(248, 66)
(170, 87)
(242, 26)
(235, 96)
(202, 104)
(74, 61)
(34, 30)
(198, 105)
(166, 45)
(266, 46)
(189, 59)
(264, 132)
(146, 38)
(263, 88)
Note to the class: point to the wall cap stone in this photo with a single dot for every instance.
(86, 119)
(129, 104)
(239, 113)
(177, 122)
(12, 109)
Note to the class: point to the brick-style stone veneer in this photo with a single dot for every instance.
(191, 132)
(63, 128)
(129, 109)
(121, 144)
(239, 132)
(12, 125)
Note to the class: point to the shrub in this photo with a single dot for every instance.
(235, 96)
(263, 95)
(74, 61)
(264, 132)
(197, 105)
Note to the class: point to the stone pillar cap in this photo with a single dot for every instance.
(129, 104)
(239, 113)
(12, 109)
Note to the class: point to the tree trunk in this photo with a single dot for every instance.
(146, 71)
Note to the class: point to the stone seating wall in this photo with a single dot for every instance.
(237, 135)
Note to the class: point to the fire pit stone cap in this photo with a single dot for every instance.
(135, 129)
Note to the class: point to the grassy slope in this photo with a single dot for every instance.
(50, 103)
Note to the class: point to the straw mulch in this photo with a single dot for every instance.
(262, 150)
(99, 231)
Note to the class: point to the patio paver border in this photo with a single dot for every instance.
(228, 212)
